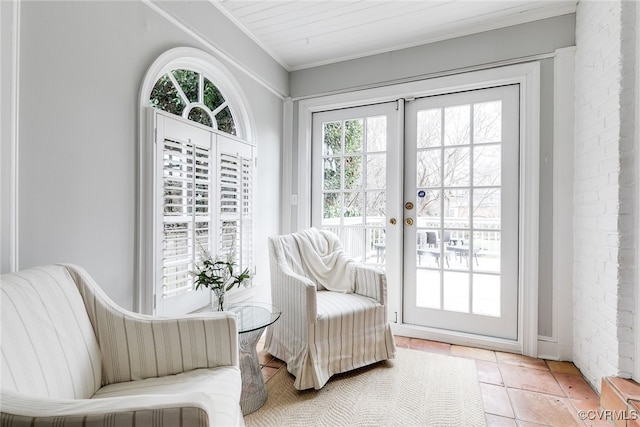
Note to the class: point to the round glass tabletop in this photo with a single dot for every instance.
(254, 316)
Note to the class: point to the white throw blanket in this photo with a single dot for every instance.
(325, 259)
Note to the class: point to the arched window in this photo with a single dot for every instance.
(196, 177)
(190, 94)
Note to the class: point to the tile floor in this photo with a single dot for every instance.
(516, 390)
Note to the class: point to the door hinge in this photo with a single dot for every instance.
(395, 317)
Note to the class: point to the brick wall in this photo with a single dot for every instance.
(604, 198)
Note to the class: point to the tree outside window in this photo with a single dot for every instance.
(189, 94)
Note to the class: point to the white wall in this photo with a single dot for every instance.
(82, 64)
(542, 37)
(605, 222)
(208, 22)
(518, 41)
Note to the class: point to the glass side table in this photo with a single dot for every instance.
(252, 319)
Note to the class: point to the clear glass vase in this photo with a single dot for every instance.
(219, 292)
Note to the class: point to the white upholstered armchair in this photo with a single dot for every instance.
(71, 357)
(334, 313)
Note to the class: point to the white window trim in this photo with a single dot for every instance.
(9, 125)
(527, 75)
(197, 60)
(218, 74)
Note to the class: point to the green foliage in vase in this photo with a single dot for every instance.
(218, 274)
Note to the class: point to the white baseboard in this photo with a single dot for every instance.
(456, 338)
(551, 350)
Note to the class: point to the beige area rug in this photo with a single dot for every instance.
(414, 389)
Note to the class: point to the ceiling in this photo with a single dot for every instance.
(306, 33)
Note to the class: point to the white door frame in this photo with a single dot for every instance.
(636, 370)
(527, 75)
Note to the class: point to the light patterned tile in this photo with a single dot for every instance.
(496, 400)
(530, 379)
(402, 342)
(543, 409)
(530, 424)
(498, 421)
(563, 367)
(473, 353)
(264, 357)
(628, 388)
(275, 363)
(430, 346)
(591, 412)
(520, 360)
(268, 372)
(488, 372)
(576, 387)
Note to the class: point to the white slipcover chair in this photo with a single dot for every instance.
(334, 313)
(72, 357)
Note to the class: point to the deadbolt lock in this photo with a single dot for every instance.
(393, 221)
(408, 221)
(408, 206)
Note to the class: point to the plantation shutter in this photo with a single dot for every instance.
(204, 193)
(236, 169)
(186, 213)
(246, 254)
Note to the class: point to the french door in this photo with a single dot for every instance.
(356, 185)
(461, 212)
(435, 205)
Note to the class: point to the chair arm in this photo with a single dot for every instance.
(295, 294)
(136, 346)
(189, 409)
(371, 283)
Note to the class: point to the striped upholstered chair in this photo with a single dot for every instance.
(71, 357)
(334, 313)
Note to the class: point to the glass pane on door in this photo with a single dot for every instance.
(459, 204)
(356, 190)
(354, 183)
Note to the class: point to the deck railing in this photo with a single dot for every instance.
(364, 241)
